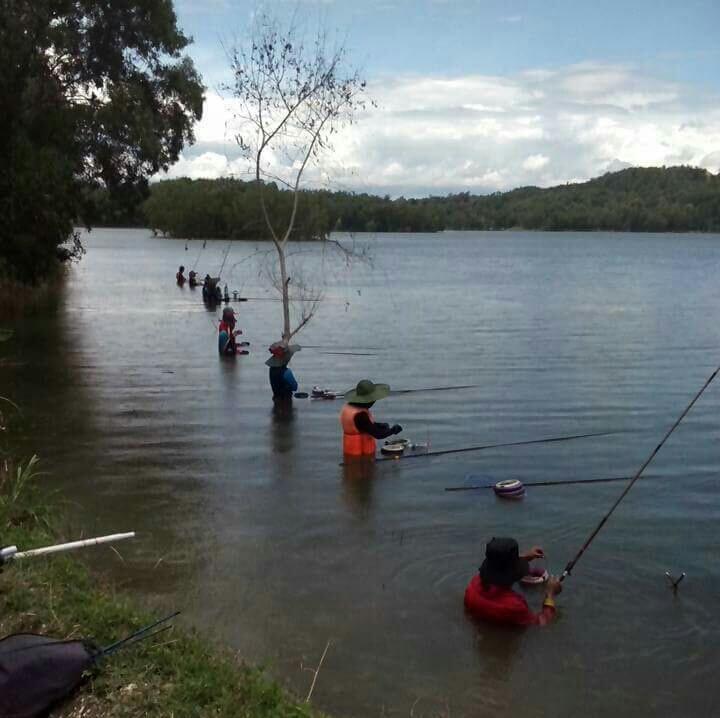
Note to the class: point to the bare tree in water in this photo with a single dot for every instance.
(291, 97)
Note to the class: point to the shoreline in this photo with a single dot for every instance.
(638, 232)
(180, 674)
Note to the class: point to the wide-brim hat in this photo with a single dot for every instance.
(366, 392)
(502, 565)
(281, 354)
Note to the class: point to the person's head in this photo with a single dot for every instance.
(182, 269)
(502, 565)
(281, 354)
(228, 316)
(366, 393)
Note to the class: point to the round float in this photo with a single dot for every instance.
(509, 489)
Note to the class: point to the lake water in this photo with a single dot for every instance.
(248, 524)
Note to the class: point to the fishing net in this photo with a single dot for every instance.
(36, 672)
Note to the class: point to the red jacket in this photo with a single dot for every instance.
(501, 604)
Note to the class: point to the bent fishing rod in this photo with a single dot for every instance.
(483, 447)
(571, 564)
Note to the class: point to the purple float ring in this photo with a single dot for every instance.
(509, 489)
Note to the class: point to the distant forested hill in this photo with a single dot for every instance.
(673, 199)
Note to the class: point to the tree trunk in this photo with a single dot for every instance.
(284, 279)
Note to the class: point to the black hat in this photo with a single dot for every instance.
(502, 565)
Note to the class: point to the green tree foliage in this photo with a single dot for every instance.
(229, 208)
(676, 199)
(94, 94)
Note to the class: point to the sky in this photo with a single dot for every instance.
(482, 95)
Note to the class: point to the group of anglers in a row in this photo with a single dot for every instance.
(211, 291)
(489, 595)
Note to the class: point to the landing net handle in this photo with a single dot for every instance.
(11, 553)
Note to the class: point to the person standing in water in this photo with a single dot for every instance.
(282, 380)
(360, 430)
(489, 595)
(192, 278)
(227, 346)
(180, 277)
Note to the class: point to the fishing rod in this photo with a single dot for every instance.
(495, 446)
(571, 564)
(325, 346)
(292, 299)
(10, 553)
(434, 388)
(348, 354)
(406, 391)
(138, 635)
(559, 482)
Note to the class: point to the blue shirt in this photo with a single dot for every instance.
(282, 381)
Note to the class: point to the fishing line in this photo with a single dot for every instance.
(596, 531)
(227, 252)
(199, 253)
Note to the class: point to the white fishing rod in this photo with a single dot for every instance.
(11, 553)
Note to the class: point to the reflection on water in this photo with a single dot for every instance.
(247, 521)
(358, 477)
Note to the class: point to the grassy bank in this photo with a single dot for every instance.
(177, 674)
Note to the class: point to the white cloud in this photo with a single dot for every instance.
(535, 162)
(711, 161)
(512, 18)
(432, 135)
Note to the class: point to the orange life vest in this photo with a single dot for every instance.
(354, 442)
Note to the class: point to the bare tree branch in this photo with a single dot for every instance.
(292, 97)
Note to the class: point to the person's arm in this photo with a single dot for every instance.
(377, 430)
(533, 553)
(547, 613)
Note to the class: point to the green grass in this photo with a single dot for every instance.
(177, 674)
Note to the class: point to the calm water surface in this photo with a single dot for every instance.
(250, 526)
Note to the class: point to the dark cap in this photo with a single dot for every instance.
(502, 565)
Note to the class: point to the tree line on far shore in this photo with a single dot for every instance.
(653, 199)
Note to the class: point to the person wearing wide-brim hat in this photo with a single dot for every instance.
(227, 333)
(489, 595)
(360, 430)
(282, 380)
